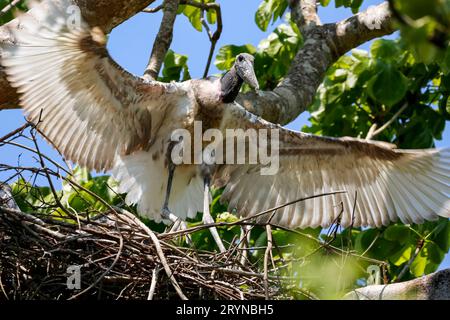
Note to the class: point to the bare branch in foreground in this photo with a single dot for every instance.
(304, 13)
(373, 132)
(323, 45)
(434, 286)
(163, 40)
(9, 7)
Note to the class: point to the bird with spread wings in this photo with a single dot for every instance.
(101, 117)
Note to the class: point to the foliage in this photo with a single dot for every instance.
(359, 90)
(352, 4)
(425, 26)
(362, 89)
(272, 57)
(175, 67)
(21, 6)
(269, 10)
(194, 14)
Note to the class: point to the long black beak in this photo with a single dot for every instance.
(247, 73)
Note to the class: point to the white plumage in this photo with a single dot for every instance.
(99, 116)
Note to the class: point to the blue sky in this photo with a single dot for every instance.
(130, 45)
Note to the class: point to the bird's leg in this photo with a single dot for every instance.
(207, 218)
(178, 224)
(165, 212)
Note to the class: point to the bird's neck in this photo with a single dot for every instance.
(231, 83)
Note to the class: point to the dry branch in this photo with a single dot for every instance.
(163, 40)
(121, 258)
(434, 286)
(323, 45)
(116, 258)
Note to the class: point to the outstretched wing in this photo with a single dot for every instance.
(385, 183)
(81, 100)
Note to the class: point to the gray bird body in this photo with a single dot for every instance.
(101, 117)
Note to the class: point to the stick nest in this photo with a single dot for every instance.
(120, 258)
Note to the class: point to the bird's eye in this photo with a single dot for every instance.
(240, 58)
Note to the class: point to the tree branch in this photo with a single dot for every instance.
(153, 10)
(350, 33)
(163, 40)
(373, 132)
(434, 286)
(9, 7)
(323, 45)
(6, 197)
(304, 14)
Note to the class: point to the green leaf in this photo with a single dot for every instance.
(211, 16)
(175, 67)
(400, 233)
(269, 10)
(13, 12)
(194, 16)
(418, 265)
(389, 86)
(227, 54)
(359, 54)
(403, 255)
(385, 49)
(356, 4)
(264, 14)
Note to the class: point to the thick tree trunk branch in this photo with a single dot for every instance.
(323, 45)
(105, 14)
(435, 286)
(304, 13)
(352, 32)
(163, 40)
(6, 197)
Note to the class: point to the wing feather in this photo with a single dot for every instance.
(86, 105)
(391, 184)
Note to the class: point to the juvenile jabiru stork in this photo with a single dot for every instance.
(101, 117)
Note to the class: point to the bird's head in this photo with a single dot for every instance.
(245, 70)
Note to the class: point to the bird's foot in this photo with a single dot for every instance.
(168, 215)
(207, 219)
(178, 224)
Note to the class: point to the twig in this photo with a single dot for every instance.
(13, 133)
(1, 287)
(163, 40)
(151, 292)
(373, 132)
(242, 221)
(153, 10)
(213, 37)
(419, 247)
(163, 260)
(11, 5)
(116, 259)
(49, 179)
(267, 254)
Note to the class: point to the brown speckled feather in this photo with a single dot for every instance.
(389, 184)
(86, 105)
